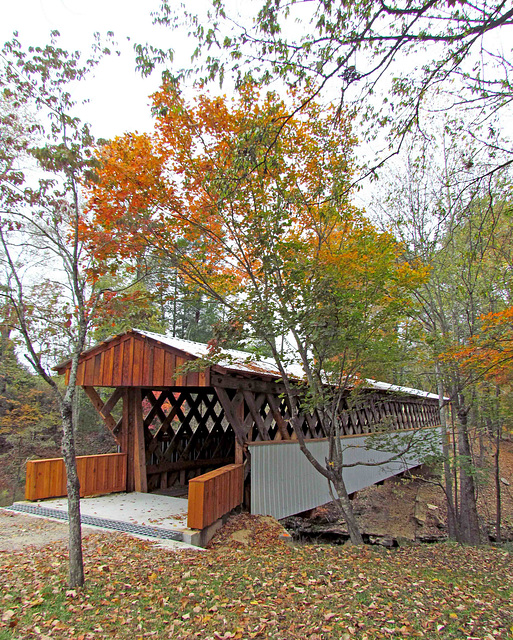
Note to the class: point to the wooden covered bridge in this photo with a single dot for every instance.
(178, 417)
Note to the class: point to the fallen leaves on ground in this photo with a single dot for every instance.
(245, 530)
(262, 588)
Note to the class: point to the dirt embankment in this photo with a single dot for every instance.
(405, 509)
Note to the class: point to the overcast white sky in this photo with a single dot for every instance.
(118, 95)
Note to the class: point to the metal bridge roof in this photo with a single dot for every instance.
(245, 362)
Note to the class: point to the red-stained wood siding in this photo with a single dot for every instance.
(117, 373)
(158, 368)
(136, 361)
(214, 494)
(97, 475)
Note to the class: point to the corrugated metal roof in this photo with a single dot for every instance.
(248, 363)
(385, 386)
(245, 362)
(230, 359)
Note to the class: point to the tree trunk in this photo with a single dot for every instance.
(333, 470)
(446, 450)
(346, 508)
(498, 518)
(76, 565)
(468, 521)
(482, 449)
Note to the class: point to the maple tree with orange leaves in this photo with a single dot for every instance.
(489, 354)
(252, 206)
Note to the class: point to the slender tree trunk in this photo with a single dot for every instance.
(482, 448)
(498, 507)
(346, 508)
(18, 468)
(336, 462)
(455, 471)
(76, 562)
(468, 521)
(76, 565)
(333, 471)
(446, 450)
(175, 303)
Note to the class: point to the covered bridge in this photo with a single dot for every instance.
(177, 413)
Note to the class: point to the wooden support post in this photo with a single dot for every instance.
(239, 452)
(239, 446)
(232, 411)
(139, 449)
(127, 440)
(133, 440)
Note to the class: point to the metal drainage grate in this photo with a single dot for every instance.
(116, 525)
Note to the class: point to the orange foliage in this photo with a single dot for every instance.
(247, 198)
(211, 172)
(490, 353)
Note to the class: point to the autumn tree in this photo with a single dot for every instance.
(42, 257)
(490, 352)
(29, 420)
(455, 224)
(252, 208)
(393, 63)
(162, 297)
(396, 66)
(487, 359)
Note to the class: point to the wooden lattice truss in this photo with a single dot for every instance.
(173, 434)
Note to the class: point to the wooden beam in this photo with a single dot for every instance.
(278, 418)
(239, 452)
(139, 449)
(187, 464)
(311, 421)
(126, 440)
(112, 401)
(156, 403)
(176, 411)
(254, 406)
(247, 384)
(230, 411)
(99, 405)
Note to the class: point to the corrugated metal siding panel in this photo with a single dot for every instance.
(283, 482)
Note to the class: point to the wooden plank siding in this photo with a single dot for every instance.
(132, 360)
(175, 425)
(98, 474)
(214, 494)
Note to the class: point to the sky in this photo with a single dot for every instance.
(118, 95)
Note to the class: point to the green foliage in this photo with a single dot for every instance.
(42, 226)
(42, 214)
(456, 225)
(393, 64)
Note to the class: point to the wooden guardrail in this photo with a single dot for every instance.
(214, 494)
(105, 473)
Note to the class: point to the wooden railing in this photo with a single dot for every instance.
(97, 474)
(214, 494)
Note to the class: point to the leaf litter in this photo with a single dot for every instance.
(257, 585)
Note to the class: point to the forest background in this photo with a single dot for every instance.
(439, 130)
